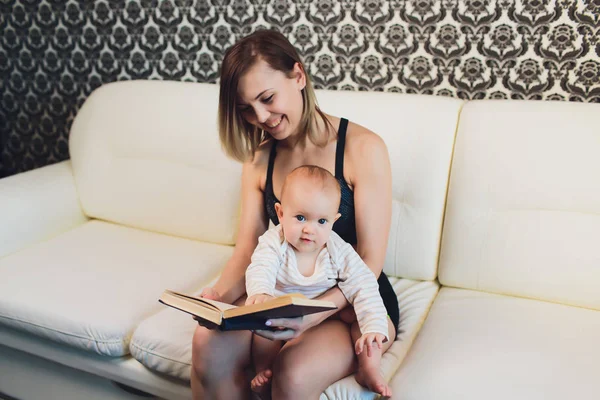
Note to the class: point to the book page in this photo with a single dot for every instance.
(220, 305)
(192, 306)
(211, 303)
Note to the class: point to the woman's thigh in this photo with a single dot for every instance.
(306, 366)
(221, 348)
(215, 352)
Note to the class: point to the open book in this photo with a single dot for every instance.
(229, 317)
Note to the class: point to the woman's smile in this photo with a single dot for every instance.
(275, 123)
(274, 126)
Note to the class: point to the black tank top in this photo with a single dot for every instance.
(345, 226)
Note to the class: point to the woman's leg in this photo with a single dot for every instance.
(219, 360)
(307, 365)
(264, 352)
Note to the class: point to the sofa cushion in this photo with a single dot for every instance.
(163, 342)
(523, 215)
(36, 205)
(146, 154)
(477, 345)
(419, 133)
(91, 286)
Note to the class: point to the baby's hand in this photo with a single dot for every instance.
(258, 298)
(367, 340)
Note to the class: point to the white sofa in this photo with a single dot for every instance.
(494, 249)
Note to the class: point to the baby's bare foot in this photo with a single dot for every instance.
(371, 378)
(260, 383)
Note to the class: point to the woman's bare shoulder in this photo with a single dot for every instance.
(256, 168)
(364, 144)
(261, 155)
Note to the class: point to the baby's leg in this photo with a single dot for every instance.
(368, 374)
(264, 352)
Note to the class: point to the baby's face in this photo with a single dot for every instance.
(307, 215)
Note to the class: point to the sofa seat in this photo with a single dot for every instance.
(163, 342)
(91, 286)
(477, 345)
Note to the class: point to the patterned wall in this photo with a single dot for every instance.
(54, 53)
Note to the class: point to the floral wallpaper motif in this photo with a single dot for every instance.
(53, 53)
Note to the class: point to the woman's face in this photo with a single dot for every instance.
(270, 100)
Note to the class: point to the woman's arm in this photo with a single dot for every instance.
(253, 223)
(371, 177)
(294, 327)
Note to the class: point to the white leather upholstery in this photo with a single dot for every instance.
(146, 154)
(523, 215)
(153, 146)
(38, 382)
(36, 205)
(414, 300)
(90, 287)
(521, 220)
(419, 133)
(163, 342)
(477, 345)
(33, 378)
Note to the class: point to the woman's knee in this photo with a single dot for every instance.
(216, 354)
(312, 363)
(287, 378)
(292, 375)
(201, 350)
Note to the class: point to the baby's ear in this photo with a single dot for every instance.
(279, 211)
(337, 216)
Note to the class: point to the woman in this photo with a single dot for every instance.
(268, 119)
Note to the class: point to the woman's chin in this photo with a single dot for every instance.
(279, 135)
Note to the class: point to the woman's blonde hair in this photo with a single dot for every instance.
(239, 138)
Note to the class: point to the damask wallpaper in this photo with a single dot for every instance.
(54, 53)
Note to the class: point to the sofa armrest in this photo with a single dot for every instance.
(37, 205)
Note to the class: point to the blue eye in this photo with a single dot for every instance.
(300, 218)
(322, 221)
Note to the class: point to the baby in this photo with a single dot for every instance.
(303, 255)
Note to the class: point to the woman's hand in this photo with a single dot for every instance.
(209, 293)
(289, 328)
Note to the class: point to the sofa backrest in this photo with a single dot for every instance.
(146, 154)
(419, 133)
(523, 212)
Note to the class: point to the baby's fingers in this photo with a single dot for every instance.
(379, 341)
(358, 347)
(369, 344)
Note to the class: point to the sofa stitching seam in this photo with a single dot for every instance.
(118, 341)
(145, 349)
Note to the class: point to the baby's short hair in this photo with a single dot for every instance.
(317, 175)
